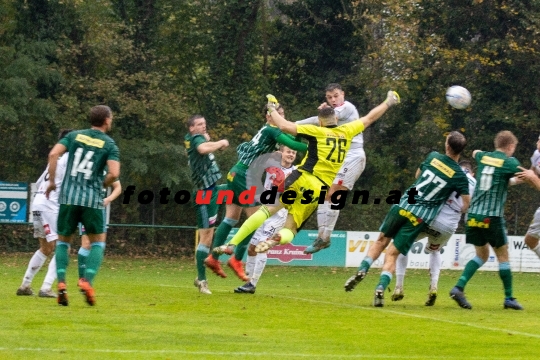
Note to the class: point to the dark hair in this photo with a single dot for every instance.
(191, 121)
(327, 112)
(467, 165)
(98, 114)
(457, 142)
(505, 138)
(62, 134)
(265, 110)
(333, 86)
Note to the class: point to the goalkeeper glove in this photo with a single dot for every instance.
(272, 103)
(392, 98)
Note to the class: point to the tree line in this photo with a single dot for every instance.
(155, 62)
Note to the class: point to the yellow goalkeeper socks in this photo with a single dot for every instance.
(250, 225)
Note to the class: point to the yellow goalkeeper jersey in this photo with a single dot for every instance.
(327, 147)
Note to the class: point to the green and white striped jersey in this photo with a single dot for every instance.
(494, 171)
(439, 177)
(89, 150)
(262, 143)
(204, 169)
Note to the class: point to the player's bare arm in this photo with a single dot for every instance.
(211, 146)
(392, 99)
(57, 151)
(529, 176)
(117, 190)
(284, 125)
(112, 174)
(466, 202)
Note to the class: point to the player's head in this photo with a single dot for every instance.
(334, 95)
(196, 124)
(327, 116)
(506, 142)
(287, 156)
(101, 116)
(62, 134)
(456, 142)
(279, 109)
(467, 166)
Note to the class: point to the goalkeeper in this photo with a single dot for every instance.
(327, 146)
(265, 141)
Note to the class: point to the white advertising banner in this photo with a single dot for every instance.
(455, 254)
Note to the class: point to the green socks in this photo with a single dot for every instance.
(471, 267)
(62, 260)
(365, 264)
(506, 276)
(222, 232)
(93, 262)
(200, 255)
(81, 261)
(385, 279)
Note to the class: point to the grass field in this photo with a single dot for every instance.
(149, 309)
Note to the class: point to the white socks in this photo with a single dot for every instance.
(51, 275)
(401, 267)
(250, 265)
(36, 262)
(260, 263)
(434, 268)
(326, 219)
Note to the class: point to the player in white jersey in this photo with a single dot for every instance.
(533, 233)
(438, 234)
(351, 169)
(45, 216)
(257, 261)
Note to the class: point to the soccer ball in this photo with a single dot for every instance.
(458, 97)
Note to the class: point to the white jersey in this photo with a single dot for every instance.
(345, 114)
(535, 162)
(451, 211)
(41, 203)
(268, 183)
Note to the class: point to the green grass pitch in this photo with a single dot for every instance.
(149, 309)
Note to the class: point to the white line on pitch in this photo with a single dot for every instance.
(399, 313)
(413, 315)
(233, 353)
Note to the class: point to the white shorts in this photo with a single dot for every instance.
(534, 227)
(45, 225)
(272, 225)
(438, 235)
(353, 166)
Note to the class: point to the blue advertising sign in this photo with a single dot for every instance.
(13, 201)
